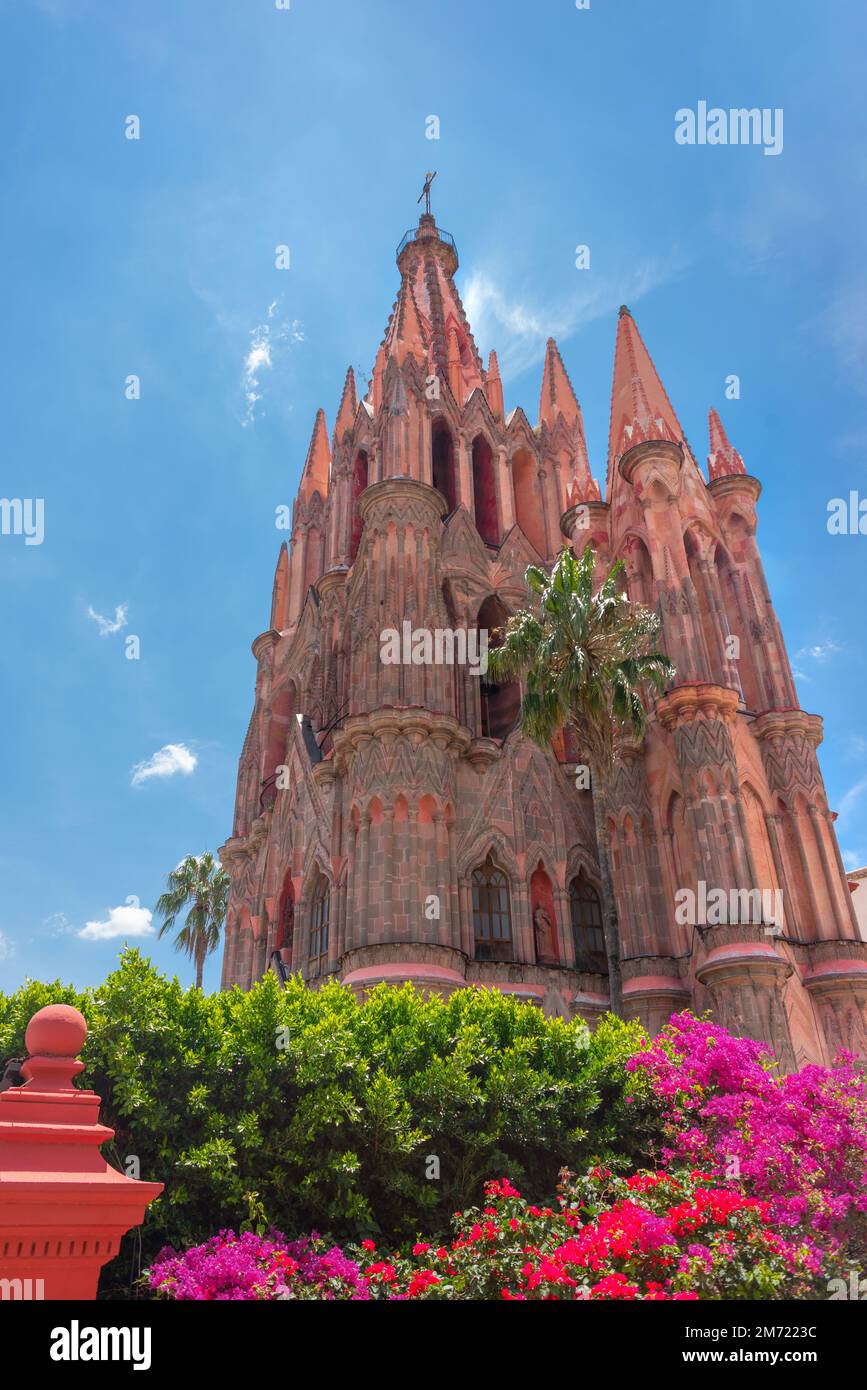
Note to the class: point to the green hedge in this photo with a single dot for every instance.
(329, 1109)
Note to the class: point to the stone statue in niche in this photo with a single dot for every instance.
(543, 932)
(287, 931)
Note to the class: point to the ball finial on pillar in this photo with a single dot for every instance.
(55, 1036)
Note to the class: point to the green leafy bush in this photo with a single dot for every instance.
(323, 1112)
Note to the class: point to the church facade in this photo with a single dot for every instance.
(392, 823)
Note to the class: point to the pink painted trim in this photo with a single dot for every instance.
(756, 950)
(836, 967)
(402, 971)
(660, 984)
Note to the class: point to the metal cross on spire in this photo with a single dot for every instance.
(425, 193)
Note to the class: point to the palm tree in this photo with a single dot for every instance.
(205, 885)
(584, 656)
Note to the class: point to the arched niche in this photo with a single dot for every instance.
(500, 703)
(543, 915)
(284, 939)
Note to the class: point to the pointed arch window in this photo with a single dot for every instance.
(443, 462)
(492, 913)
(485, 491)
(359, 483)
(320, 904)
(587, 933)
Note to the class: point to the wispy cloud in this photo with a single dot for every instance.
(266, 339)
(819, 653)
(849, 800)
(822, 651)
(853, 859)
(107, 626)
(7, 950)
(169, 760)
(58, 924)
(121, 921)
(519, 330)
(846, 325)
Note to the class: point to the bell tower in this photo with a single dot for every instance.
(391, 821)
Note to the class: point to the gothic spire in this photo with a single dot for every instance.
(723, 458)
(410, 335)
(318, 462)
(558, 403)
(640, 408)
(494, 387)
(348, 407)
(280, 591)
(428, 317)
(558, 397)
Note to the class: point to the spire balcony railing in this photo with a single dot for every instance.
(413, 235)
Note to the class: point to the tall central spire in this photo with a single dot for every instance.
(428, 318)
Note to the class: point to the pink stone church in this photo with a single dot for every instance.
(392, 823)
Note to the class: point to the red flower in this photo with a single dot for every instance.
(420, 1281)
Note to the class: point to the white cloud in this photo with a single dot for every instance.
(519, 330)
(121, 921)
(166, 762)
(821, 651)
(7, 950)
(265, 338)
(853, 859)
(107, 626)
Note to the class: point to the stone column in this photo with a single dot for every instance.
(362, 883)
(468, 945)
(564, 927)
(229, 932)
(791, 913)
(441, 840)
(388, 872)
(542, 503)
(806, 873)
(507, 491)
(830, 883)
(522, 924)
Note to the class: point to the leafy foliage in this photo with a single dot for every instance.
(320, 1111)
(584, 654)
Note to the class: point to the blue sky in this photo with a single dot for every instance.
(306, 127)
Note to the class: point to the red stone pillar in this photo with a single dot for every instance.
(63, 1210)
